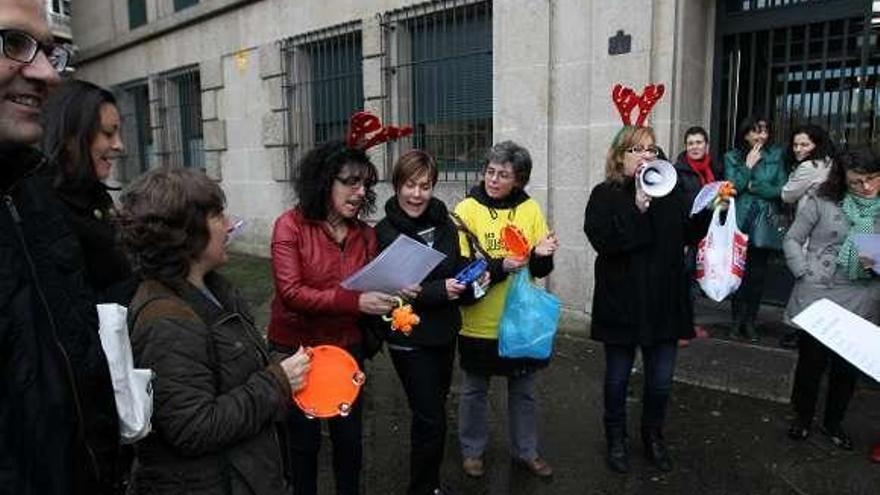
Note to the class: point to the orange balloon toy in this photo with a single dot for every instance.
(402, 318)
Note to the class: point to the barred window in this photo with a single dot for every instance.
(440, 77)
(137, 13)
(181, 119)
(182, 4)
(746, 5)
(325, 74)
(134, 109)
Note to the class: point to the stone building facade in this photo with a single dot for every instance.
(551, 65)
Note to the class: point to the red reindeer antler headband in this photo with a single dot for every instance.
(365, 130)
(625, 99)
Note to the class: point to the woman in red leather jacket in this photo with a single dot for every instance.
(315, 246)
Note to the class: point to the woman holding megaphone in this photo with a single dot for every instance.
(641, 297)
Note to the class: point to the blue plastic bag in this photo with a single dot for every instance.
(528, 324)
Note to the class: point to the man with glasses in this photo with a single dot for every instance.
(58, 425)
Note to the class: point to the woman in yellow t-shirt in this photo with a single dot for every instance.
(496, 202)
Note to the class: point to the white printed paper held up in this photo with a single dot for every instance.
(405, 262)
(852, 337)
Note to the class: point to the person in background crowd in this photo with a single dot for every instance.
(499, 200)
(217, 395)
(875, 453)
(695, 168)
(82, 139)
(58, 423)
(423, 359)
(641, 296)
(831, 267)
(316, 246)
(809, 153)
(757, 170)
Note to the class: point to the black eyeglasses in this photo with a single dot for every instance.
(22, 47)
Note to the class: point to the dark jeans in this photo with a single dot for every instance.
(747, 299)
(813, 359)
(425, 373)
(659, 364)
(304, 442)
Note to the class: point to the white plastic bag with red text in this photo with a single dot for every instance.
(721, 256)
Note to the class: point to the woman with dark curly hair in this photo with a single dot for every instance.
(82, 139)
(315, 246)
(831, 267)
(809, 153)
(217, 394)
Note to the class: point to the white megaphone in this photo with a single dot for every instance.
(657, 178)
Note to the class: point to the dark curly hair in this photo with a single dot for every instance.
(819, 136)
(862, 160)
(163, 221)
(320, 167)
(72, 119)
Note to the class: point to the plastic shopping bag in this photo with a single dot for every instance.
(721, 256)
(529, 321)
(131, 387)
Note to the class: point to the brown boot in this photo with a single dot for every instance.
(473, 467)
(537, 466)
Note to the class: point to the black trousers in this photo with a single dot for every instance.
(813, 359)
(425, 374)
(304, 442)
(747, 300)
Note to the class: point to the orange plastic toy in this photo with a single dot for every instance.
(515, 241)
(725, 192)
(402, 318)
(333, 383)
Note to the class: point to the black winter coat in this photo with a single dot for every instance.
(216, 396)
(90, 213)
(689, 181)
(59, 431)
(440, 317)
(641, 290)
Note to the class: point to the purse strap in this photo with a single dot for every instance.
(473, 242)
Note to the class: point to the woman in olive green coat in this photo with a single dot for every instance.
(756, 168)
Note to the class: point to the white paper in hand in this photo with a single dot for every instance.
(404, 263)
(705, 197)
(852, 337)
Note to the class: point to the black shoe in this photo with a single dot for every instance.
(750, 333)
(789, 341)
(799, 430)
(838, 437)
(656, 451)
(618, 453)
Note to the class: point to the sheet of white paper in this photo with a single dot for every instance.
(405, 262)
(869, 246)
(705, 197)
(855, 339)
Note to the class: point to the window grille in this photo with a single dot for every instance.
(824, 72)
(438, 72)
(137, 13)
(134, 108)
(749, 5)
(181, 120)
(324, 86)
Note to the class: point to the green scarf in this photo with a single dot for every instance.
(861, 213)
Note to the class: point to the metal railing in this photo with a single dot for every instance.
(438, 78)
(324, 85)
(823, 72)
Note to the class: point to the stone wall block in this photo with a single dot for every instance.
(371, 37)
(213, 168)
(215, 135)
(273, 129)
(211, 74)
(271, 62)
(274, 87)
(209, 105)
(277, 158)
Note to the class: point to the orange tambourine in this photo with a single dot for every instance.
(333, 383)
(515, 241)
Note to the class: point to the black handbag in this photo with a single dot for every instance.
(767, 226)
